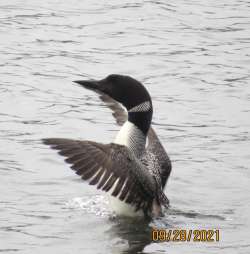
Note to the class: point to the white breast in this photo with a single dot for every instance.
(134, 139)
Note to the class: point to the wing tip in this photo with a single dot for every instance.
(53, 141)
(47, 141)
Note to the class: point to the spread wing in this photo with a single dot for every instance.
(154, 145)
(111, 167)
(118, 112)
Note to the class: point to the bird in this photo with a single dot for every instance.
(135, 167)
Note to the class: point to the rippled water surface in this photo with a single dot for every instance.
(194, 58)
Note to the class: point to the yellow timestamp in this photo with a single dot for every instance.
(186, 235)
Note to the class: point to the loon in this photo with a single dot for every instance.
(133, 169)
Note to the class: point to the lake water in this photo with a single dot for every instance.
(194, 58)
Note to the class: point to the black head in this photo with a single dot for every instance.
(130, 93)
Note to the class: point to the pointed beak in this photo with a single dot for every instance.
(89, 84)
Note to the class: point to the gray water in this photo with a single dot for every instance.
(194, 58)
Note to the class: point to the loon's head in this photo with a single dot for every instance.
(130, 93)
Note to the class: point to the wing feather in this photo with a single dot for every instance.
(109, 167)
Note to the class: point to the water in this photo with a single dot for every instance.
(194, 58)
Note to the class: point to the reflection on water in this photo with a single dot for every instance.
(194, 59)
(129, 236)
